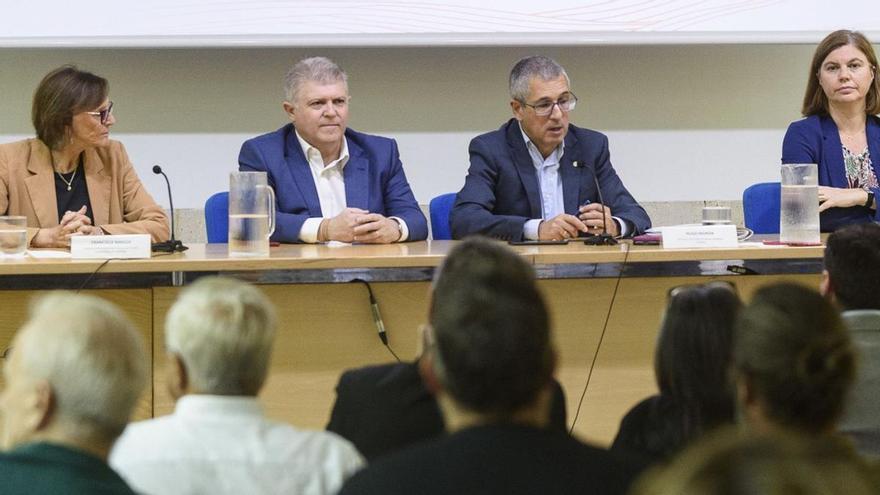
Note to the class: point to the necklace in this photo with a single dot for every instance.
(69, 183)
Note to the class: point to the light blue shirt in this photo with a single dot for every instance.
(549, 182)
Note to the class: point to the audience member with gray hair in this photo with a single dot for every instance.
(534, 178)
(332, 183)
(219, 337)
(73, 376)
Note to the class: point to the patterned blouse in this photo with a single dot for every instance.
(859, 172)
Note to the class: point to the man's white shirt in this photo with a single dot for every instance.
(330, 184)
(225, 445)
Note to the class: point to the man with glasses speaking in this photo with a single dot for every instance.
(533, 179)
(332, 183)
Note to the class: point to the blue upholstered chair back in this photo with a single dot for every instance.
(439, 209)
(217, 217)
(761, 207)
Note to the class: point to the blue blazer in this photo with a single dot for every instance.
(816, 139)
(374, 180)
(501, 191)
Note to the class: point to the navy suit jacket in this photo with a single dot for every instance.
(501, 191)
(816, 139)
(374, 180)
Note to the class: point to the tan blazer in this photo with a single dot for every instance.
(120, 203)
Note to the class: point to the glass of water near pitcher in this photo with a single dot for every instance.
(799, 204)
(251, 214)
(13, 236)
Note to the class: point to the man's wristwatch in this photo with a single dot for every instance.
(870, 200)
(399, 229)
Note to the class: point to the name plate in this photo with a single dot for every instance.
(699, 236)
(128, 246)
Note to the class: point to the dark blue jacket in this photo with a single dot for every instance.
(374, 180)
(501, 191)
(816, 139)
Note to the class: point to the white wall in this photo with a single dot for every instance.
(691, 122)
(178, 23)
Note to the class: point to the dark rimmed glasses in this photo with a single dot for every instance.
(103, 115)
(566, 103)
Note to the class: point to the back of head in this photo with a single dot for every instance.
(815, 100)
(493, 350)
(791, 348)
(693, 354)
(544, 68)
(222, 329)
(733, 463)
(92, 357)
(852, 259)
(62, 93)
(321, 70)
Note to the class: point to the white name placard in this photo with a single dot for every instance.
(127, 246)
(699, 236)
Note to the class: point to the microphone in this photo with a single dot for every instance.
(603, 239)
(377, 316)
(172, 245)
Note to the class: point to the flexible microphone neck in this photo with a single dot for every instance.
(171, 245)
(603, 239)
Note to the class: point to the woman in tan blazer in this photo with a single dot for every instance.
(72, 179)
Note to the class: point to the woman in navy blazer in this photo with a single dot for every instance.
(841, 132)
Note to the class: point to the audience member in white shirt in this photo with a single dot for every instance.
(219, 337)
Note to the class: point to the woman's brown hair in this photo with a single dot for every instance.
(815, 101)
(61, 94)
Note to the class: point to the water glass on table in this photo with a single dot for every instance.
(13, 236)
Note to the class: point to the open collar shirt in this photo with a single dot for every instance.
(225, 445)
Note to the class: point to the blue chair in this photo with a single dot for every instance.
(217, 217)
(761, 207)
(439, 209)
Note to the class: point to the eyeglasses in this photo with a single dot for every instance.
(543, 108)
(103, 115)
(715, 284)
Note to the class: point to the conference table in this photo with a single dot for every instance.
(606, 303)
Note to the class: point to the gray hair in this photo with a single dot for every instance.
(316, 69)
(527, 68)
(91, 355)
(223, 330)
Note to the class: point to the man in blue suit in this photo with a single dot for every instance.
(534, 177)
(332, 183)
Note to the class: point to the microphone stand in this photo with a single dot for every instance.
(171, 245)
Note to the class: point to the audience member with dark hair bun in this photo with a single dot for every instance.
(794, 361)
(691, 366)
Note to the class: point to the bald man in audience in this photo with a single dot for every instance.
(219, 337)
(73, 376)
(852, 280)
(489, 358)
